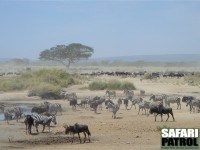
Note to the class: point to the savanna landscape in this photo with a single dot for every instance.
(129, 130)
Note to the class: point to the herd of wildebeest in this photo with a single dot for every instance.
(45, 113)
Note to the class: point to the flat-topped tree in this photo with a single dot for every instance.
(67, 54)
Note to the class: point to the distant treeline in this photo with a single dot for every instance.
(138, 63)
(141, 63)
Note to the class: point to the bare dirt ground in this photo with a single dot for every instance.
(128, 131)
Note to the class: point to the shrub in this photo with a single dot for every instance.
(111, 85)
(35, 80)
(97, 85)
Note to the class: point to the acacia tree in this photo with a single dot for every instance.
(67, 54)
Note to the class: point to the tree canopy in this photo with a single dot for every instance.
(67, 54)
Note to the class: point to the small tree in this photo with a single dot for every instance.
(67, 54)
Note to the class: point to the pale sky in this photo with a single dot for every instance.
(111, 27)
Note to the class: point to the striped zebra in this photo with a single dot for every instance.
(194, 103)
(157, 98)
(111, 94)
(68, 95)
(114, 108)
(128, 93)
(54, 108)
(10, 110)
(173, 99)
(43, 120)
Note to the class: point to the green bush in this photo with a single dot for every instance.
(35, 80)
(111, 85)
(97, 85)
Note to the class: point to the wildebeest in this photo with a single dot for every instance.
(39, 109)
(160, 110)
(185, 98)
(77, 129)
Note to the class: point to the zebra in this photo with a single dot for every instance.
(173, 99)
(84, 103)
(95, 102)
(9, 110)
(157, 98)
(111, 94)
(54, 108)
(135, 101)
(68, 95)
(144, 106)
(43, 120)
(193, 103)
(128, 93)
(114, 108)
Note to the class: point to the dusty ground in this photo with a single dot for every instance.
(128, 131)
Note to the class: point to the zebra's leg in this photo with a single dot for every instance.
(36, 126)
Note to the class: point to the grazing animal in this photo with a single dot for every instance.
(77, 129)
(29, 122)
(160, 110)
(43, 120)
(186, 98)
(39, 109)
(114, 108)
(193, 103)
(126, 103)
(54, 108)
(157, 98)
(95, 102)
(10, 110)
(135, 101)
(73, 103)
(68, 95)
(84, 103)
(144, 106)
(173, 99)
(111, 94)
(128, 93)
